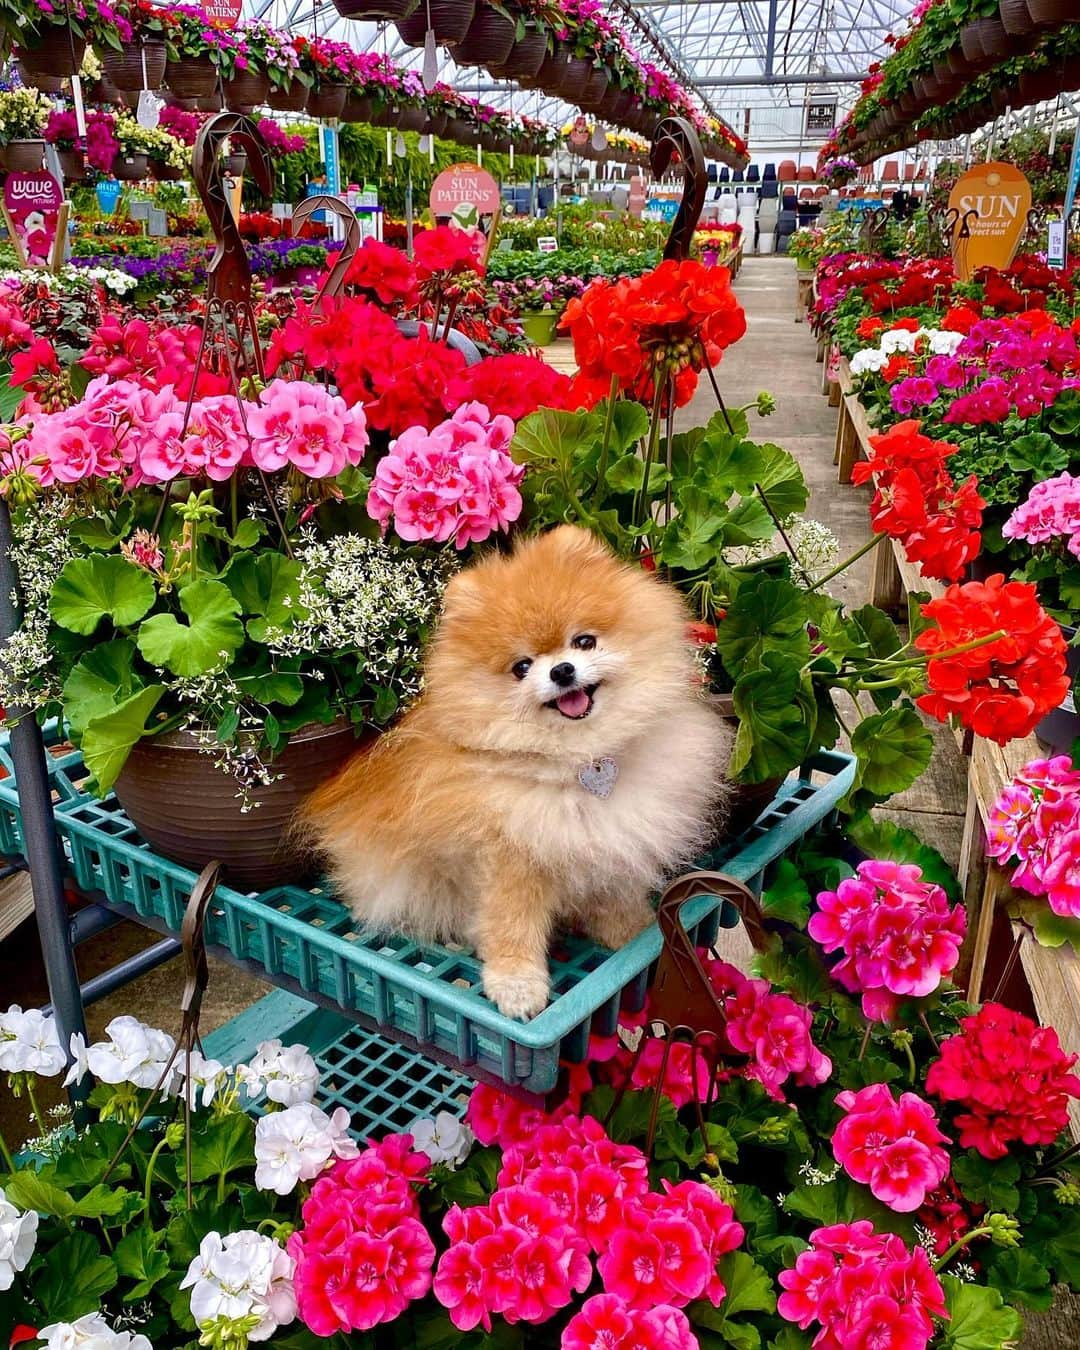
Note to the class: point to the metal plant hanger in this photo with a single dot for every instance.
(334, 282)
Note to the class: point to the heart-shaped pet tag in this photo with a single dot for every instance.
(599, 776)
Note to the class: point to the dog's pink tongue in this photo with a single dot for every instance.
(574, 704)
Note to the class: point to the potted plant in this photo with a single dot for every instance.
(805, 246)
(375, 10)
(243, 61)
(330, 66)
(190, 70)
(140, 63)
(62, 131)
(137, 144)
(23, 113)
(448, 19)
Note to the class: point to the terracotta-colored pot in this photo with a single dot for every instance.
(375, 10)
(58, 51)
(191, 77)
(327, 100)
(125, 68)
(187, 808)
(488, 42)
(294, 98)
(245, 91)
(23, 156)
(450, 21)
(525, 59)
(130, 168)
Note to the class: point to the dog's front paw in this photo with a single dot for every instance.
(522, 992)
(616, 925)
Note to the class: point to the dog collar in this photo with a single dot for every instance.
(598, 776)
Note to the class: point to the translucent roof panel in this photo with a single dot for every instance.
(753, 61)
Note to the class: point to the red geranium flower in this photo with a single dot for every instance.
(870, 328)
(384, 274)
(512, 384)
(445, 251)
(1003, 688)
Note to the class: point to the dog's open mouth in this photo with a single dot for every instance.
(575, 704)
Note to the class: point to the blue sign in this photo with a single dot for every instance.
(1074, 179)
(317, 190)
(331, 160)
(664, 207)
(108, 194)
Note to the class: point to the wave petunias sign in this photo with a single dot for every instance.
(466, 192)
(32, 202)
(1002, 197)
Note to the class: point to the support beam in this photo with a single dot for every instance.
(770, 38)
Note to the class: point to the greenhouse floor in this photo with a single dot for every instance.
(776, 355)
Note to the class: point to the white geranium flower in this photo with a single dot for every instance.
(30, 1043)
(445, 1139)
(898, 340)
(91, 1332)
(288, 1074)
(18, 1237)
(241, 1274)
(942, 343)
(207, 1075)
(134, 1053)
(869, 359)
(296, 1144)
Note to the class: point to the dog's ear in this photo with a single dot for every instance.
(575, 541)
(462, 592)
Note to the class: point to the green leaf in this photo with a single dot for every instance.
(102, 586)
(100, 680)
(887, 842)
(1048, 928)
(222, 1146)
(549, 436)
(987, 1182)
(275, 686)
(787, 896)
(627, 475)
(977, 1318)
(11, 395)
(208, 642)
(791, 1338)
(140, 1258)
(1020, 1278)
(96, 533)
(779, 476)
(28, 1191)
(629, 423)
(1037, 454)
(893, 749)
(768, 615)
(75, 1277)
(386, 703)
(775, 725)
(694, 538)
(267, 588)
(749, 1286)
(107, 739)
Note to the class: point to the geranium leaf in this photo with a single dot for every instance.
(1049, 929)
(787, 897)
(75, 1276)
(892, 843)
(267, 588)
(140, 1258)
(102, 586)
(550, 436)
(893, 749)
(223, 1146)
(108, 738)
(1036, 453)
(780, 478)
(27, 1190)
(791, 1338)
(768, 615)
(978, 1320)
(1020, 1278)
(629, 423)
(100, 680)
(774, 725)
(206, 643)
(988, 1182)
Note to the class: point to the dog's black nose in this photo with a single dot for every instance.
(564, 673)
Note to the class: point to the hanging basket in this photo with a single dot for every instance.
(549, 75)
(449, 20)
(596, 86)
(1001, 100)
(187, 808)
(130, 168)
(1015, 17)
(375, 10)
(294, 98)
(236, 164)
(1051, 13)
(383, 114)
(1037, 86)
(971, 46)
(488, 41)
(436, 124)
(245, 91)
(125, 68)
(58, 51)
(327, 100)
(191, 77)
(48, 84)
(23, 156)
(526, 57)
(460, 131)
(413, 118)
(165, 173)
(211, 103)
(357, 108)
(72, 165)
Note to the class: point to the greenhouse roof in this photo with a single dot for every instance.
(753, 62)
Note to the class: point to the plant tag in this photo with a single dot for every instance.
(148, 114)
(430, 71)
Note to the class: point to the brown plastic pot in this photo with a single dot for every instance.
(130, 168)
(412, 118)
(549, 76)
(294, 98)
(1050, 13)
(459, 130)
(375, 9)
(191, 77)
(525, 59)
(58, 51)
(23, 156)
(575, 78)
(435, 124)
(245, 91)
(125, 68)
(357, 108)
(72, 165)
(213, 102)
(596, 86)
(1001, 100)
(488, 42)
(450, 21)
(187, 809)
(1036, 86)
(48, 84)
(165, 173)
(1015, 17)
(327, 100)
(236, 164)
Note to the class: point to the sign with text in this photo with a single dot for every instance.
(225, 13)
(32, 203)
(332, 160)
(820, 116)
(1001, 197)
(464, 192)
(547, 243)
(1055, 244)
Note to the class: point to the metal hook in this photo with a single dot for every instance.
(676, 135)
(229, 274)
(334, 281)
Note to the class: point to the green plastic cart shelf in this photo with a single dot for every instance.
(426, 997)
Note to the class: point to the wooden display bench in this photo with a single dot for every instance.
(1053, 974)
(804, 296)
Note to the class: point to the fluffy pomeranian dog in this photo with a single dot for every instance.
(560, 763)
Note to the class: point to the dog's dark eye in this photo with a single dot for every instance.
(521, 668)
(584, 642)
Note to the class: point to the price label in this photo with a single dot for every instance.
(547, 244)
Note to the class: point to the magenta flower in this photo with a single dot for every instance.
(894, 1147)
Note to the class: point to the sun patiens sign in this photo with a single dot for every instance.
(464, 192)
(992, 202)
